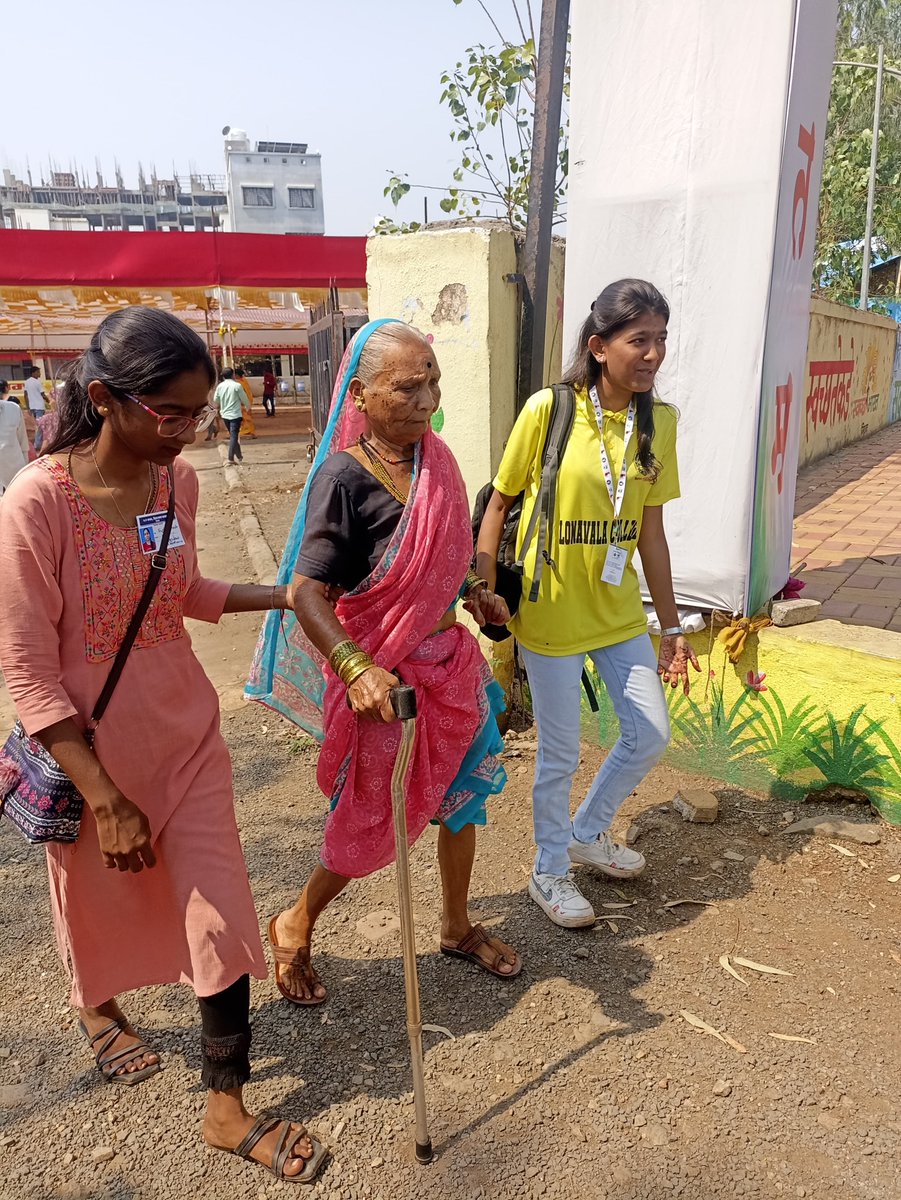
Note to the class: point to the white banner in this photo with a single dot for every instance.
(788, 312)
(678, 116)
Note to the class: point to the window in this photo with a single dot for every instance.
(258, 197)
(301, 197)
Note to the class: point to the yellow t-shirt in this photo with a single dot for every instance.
(576, 612)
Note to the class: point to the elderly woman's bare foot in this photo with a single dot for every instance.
(477, 946)
(295, 977)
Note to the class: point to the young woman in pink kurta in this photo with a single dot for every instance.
(155, 889)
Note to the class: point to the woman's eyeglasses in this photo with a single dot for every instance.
(169, 427)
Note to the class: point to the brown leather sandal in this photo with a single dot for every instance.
(468, 949)
(298, 957)
(109, 1064)
(288, 1139)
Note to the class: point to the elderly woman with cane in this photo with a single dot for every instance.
(379, 554)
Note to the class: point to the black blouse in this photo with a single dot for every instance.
(350, 521)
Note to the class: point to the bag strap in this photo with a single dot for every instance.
(157, 566)
(562, 416)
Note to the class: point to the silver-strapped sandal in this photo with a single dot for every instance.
(288, 1139)
(109, 1064)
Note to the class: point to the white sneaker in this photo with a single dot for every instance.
(604, 854)
(561, 900)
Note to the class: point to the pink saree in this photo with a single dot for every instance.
(392, 615)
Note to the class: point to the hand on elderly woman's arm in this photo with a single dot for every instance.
(314, 606)
(486, 607)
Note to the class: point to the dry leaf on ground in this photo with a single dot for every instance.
(439, 1029)
(619, 904)
(842, 850)
(792, 1037)
(894, 878)
(705, 1028)
(727, 966)
(676, 903)
(762, 967)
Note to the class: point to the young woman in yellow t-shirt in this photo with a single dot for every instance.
(618, 469)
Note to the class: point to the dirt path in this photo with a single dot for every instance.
(579, 1079)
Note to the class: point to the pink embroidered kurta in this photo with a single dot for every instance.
(71, 582)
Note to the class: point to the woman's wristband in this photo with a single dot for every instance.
(672, 631)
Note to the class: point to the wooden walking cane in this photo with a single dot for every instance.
(403, 700)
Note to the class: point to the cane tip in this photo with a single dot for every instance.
(424, 1152)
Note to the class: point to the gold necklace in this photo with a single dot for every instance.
(148, 502)
(381, 474)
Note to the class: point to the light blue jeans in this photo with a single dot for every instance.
(629, 671)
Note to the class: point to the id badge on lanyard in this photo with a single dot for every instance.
(617, 557)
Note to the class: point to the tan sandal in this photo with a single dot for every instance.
(288, 1139)
(298, 957)
(468, 949)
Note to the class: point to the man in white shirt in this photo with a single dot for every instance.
(35, 394)
(231, 399)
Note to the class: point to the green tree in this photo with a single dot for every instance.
(862, 25)
(490, 96)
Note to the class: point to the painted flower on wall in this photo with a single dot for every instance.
(755, 682)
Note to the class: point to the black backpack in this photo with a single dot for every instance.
(509, 567)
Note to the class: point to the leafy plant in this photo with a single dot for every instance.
(849, 758)
(491, 98)
(718, 740)
(862, 25)
(785, 733)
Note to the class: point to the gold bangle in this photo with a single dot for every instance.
(341, 653)
(348, 664)
(355, 668)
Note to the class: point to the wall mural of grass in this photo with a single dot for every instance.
(757, 741)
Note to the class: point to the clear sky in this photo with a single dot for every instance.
(357, 80)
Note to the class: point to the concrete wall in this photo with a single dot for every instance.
(449, 283)
(849, 384)
(804, 708)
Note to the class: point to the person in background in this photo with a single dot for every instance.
(34, 394)
(13, 437)
(47, 426)
(269, 385)
(155, 890)
(230, 401)
(616, 473)
(247, 426)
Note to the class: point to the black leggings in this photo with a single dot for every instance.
(225, 1040)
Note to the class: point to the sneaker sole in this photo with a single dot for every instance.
(563, 922)
(613, 872)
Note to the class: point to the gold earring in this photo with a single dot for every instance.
(359, 403)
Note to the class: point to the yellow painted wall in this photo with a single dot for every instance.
(450, 284)
(732, 727)
(848, 383)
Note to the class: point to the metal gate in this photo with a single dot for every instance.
(329, 334)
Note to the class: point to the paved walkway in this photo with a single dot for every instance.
(848, 531)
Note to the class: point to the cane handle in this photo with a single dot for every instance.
(403, 701)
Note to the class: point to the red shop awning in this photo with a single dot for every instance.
(36, 258)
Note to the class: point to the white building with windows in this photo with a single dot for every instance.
(273, 187)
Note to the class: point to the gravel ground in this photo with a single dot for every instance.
(579, 1079)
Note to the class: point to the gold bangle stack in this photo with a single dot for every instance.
(349, 662)
(472, 581)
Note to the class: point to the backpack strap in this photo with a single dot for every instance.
(563, 411)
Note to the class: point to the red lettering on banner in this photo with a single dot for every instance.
(807, 140)
(780, 439)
